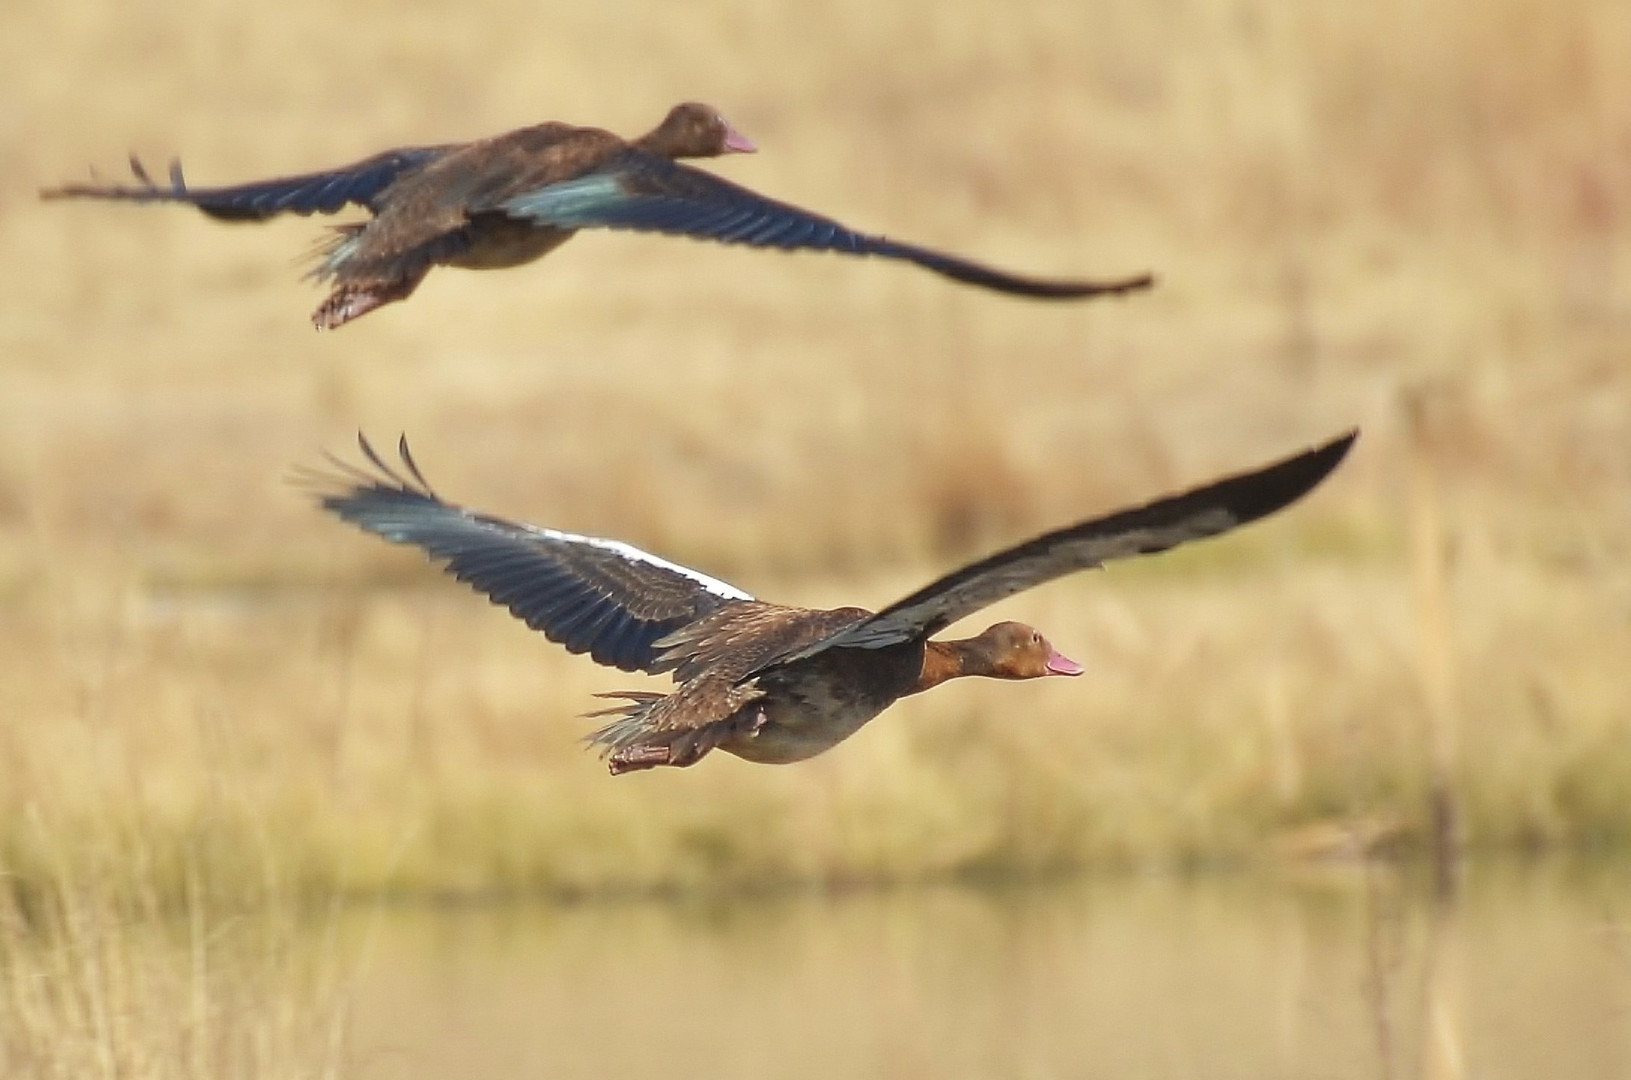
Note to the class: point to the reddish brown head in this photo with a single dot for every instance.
(1008, 650)
(1012, 650)
(695, 130)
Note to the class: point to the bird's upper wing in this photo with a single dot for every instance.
(603, 597)
(636, 190)
(1176, 519)
(311, 193)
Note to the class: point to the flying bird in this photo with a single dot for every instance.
(763, 681)
(509, 199)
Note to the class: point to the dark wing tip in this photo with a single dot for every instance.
(343, 483)
(1340, 445)
(1114, 287)
(1136, 283)
(1321, 460)
(975, 273)
(1262, 492)
(1046, 289)
(145, 186)
(92, 190)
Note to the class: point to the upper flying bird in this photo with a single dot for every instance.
(509, 199)
(762, 681)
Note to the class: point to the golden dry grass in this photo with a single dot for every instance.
(98, 980)
(1349, 207)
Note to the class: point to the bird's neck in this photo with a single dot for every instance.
(661, 142)
(944, 660)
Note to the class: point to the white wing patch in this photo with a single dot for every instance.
(634, 554)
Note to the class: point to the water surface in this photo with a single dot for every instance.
(1331, 972)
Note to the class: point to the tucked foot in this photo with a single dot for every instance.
(355, 301)
(636, 758)
(680, 749)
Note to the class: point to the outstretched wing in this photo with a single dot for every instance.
(603, 597)
(312, 193)
(640, 191)
(1176, 519)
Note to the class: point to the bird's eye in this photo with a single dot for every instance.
(1036, 637)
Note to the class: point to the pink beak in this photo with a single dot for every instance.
(738, 143)
(1060, 664)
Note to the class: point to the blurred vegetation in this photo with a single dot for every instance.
(1350, 208)
(97, 979)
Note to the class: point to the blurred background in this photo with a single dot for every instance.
(1343, 795)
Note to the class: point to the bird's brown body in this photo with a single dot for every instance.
(786, 713)
(512, 198)
(433, 215)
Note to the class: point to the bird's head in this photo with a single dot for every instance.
(692, 130)
(1013, 650)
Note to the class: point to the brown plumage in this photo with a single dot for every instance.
(765, 682)
(509, 199)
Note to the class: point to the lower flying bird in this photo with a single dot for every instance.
(765, 682)
(512, 198)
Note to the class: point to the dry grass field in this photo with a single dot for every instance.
(98, 979)
(1414, 217)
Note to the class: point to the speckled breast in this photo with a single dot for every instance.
(816, 704)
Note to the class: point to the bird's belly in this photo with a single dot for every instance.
(506, 243)
(818, 704)
(793, 732)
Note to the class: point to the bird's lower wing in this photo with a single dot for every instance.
(637, 191)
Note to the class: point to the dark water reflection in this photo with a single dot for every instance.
(1337, 972)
